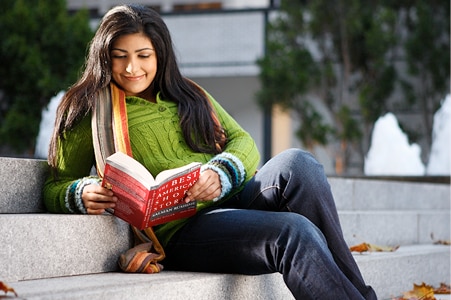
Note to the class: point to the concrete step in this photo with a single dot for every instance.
(76, 235)
(35, 246)
(390, 274)
(81, 244)
(21, 188)
(52, 256)
(395, 227)
(25, 177)
(371, 194)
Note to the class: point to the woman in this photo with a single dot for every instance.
(279, 219)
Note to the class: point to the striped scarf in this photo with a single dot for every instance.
(110, 134)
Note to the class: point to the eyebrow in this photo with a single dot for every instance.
(139, 50)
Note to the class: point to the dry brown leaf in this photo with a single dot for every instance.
(363, 247)
(440, 242)
(366, 247)
(4, 287)
(443, 242)
(423, 292)
(444, 289)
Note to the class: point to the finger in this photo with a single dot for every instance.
(91, 211)
(96, 199)
(205, 196)
(98, 194)
(99, 198)
(99, 205)
(205, 191)
(208, 191)
(93, 189)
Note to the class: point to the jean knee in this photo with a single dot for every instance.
(302, 157)
(303, 165)
(299, 230)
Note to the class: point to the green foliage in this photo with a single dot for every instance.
(356, 48)
(375, 91)
(362, 37)
(355, 35)
(288, 68)
(42, 50)
(428, 46)
(350, 127)
(314, 130)
(427, 53)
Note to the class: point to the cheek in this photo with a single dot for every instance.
(152, 66)
(115, 68)
(115, 71)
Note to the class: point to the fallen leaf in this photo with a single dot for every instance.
(443, 289)
(4, 287)
(363, 247)
(440, 242)
(366, 247)
(443, 242)
(423, 292)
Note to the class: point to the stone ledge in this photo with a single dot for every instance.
(371, 194)
(81, 244)
(51, 245)
(21, 188)
(25, 178)
(390, 274)
(166, 285)
(395, 227)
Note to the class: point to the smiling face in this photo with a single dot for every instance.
(134, 64)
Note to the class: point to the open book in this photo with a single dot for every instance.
(145, 201)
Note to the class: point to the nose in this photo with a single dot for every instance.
(129, 68)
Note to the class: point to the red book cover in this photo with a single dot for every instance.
(145, 201)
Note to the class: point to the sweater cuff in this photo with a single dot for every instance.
(230, 170)
(73, 200)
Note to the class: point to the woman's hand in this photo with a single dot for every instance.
(96, 199)
(206, 188)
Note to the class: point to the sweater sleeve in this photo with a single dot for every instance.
(62, 193)
(239, 160)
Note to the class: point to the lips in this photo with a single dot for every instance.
(134, 78)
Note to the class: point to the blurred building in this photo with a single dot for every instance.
(101, 6)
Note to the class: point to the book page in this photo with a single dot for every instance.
(131, 166)
(172, 173)
(136, 170)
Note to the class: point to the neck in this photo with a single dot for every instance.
(148, 95)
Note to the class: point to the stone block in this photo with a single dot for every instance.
(51, 245)
(21, 188)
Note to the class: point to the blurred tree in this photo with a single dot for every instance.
(320, 50)
(42, 50)
(289, 72)
(427, 52)
(343, 54)
(357, 38)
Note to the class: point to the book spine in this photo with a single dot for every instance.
(150, 199)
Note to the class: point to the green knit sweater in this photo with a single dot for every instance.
(157, 142)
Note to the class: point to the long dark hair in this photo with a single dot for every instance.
(199, 128)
